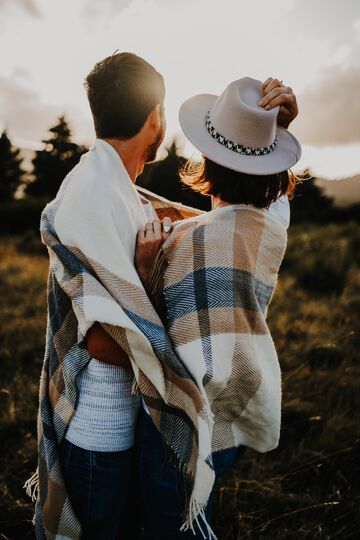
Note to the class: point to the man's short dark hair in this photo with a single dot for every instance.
(122, 90)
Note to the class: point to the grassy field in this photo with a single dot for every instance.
(306, 489)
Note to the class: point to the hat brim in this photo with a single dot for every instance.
(192, 120)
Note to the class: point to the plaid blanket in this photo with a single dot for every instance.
(90, 230)
(212, 283)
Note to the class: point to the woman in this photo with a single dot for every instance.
(212, 282)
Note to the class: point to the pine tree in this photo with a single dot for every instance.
(53, 163)
(310, 202)
(11, 173)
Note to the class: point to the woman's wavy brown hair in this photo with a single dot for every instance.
(209, 178)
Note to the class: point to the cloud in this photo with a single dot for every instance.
(27, 118)
(330, 106)
(107, 9)
(29, 6)
(104, 8)
(327, 19)
(330, 109)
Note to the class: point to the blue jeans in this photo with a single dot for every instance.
(163, 500)
(101, 491)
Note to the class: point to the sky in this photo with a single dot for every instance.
(47, 48)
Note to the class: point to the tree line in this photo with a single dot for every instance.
(50, 165)
(24, 193)
(60, 154)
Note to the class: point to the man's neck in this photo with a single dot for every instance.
(131, 154)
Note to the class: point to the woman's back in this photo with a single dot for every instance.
(218, 274)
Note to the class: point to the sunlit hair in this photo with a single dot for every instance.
(209, 178)
(122, 89)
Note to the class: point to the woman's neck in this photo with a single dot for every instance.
(216, 202)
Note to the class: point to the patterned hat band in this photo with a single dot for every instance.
(238, 148)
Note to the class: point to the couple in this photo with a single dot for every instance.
(156, 378)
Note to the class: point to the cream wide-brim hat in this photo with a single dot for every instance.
(234, 131)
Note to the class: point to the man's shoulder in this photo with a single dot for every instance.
(85, 167)
(85, 184)
(81, 198)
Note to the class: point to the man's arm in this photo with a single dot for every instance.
(104, 348)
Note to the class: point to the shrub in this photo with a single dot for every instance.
(21, 215)
(320, 257)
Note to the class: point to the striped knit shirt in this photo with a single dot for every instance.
(106, 412)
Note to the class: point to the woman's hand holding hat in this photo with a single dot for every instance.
(276, 94)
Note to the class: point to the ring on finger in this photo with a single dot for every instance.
(149, 227)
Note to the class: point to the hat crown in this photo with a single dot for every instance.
(237, 116)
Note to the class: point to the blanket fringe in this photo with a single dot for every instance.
(135, 390)
(31, 486)
(197, 514)
(208, 416)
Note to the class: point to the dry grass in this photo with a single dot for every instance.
(306, 489)
(23, 316)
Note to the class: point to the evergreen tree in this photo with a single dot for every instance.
(310, 202)
(162, 177)
(11, 173)
(53, 163)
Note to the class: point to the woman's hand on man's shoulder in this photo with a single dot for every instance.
(148, 243)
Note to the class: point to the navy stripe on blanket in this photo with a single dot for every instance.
(212, 291)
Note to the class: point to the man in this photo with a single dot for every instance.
(126, 96)
(88, 414)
